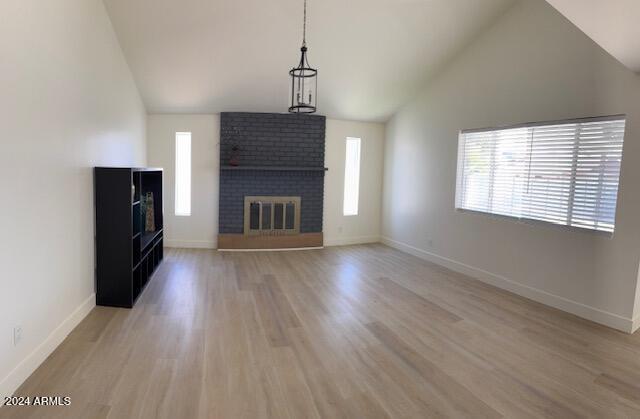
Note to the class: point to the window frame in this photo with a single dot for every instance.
(532, 221)
(345, 213)
(178, 212)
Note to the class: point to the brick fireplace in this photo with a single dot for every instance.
(277, 159)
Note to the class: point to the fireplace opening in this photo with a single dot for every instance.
(271, 215)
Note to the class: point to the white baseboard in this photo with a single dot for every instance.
(606, 318)
(344, 241)
(190, 244)
(28, 365)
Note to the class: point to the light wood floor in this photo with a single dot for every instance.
(351, 332)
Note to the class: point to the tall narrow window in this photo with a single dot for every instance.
(352, 176)
(183, 173)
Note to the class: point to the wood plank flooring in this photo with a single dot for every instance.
(347, 332)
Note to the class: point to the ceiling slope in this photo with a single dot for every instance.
(612, 24)
(204, 56)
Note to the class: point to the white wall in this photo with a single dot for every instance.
(533, 65)
(613, 24)
(364, 227)
(201, 228)
(68, 103)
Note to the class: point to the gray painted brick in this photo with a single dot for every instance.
(272, 140)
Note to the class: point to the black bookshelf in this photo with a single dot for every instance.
(126, 254)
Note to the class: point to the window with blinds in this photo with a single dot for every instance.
(563, 172)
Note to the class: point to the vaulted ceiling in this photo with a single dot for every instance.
(204, 56)
(612, 24)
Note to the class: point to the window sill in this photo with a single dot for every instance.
(538, 223)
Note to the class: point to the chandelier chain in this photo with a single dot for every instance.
(304, 26)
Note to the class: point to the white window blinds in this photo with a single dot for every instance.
(558, 172)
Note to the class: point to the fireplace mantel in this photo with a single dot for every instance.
(277, 168)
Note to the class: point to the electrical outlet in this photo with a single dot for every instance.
(17, 335)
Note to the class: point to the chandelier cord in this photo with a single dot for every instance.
(304, 26)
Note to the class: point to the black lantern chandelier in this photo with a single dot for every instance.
(304, 79)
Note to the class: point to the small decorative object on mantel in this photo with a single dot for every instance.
(234, 160)
(150, 221)
(304, 79)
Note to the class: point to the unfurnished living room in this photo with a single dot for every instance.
(320, 209)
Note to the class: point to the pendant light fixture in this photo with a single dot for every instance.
(304, 79)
